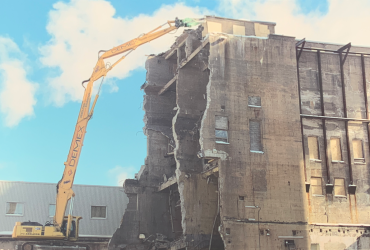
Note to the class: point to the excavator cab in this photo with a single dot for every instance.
(70, 227)
(36, 231)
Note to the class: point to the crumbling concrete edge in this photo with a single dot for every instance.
(178, 172)
(208, 152)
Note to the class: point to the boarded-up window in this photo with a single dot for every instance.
(315, 246)
(239, 30)
(316, 185)
(358, 153)
(221, 127)
(255, 136)
(98, 212)
(214, 27)
(254, 101)
(261, 30)
(14, 208)
(51, 210)
(339, 187)
(336, 151)
(313, 147)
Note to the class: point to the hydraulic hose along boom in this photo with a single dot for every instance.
(66, 227)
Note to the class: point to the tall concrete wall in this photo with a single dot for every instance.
(229, 142)
(271, 179)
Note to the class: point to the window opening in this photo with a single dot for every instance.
(98, 212)
(339, 188)
(336, 151)
(313, 147)
(316, 185)
(214, 27)
(14, 208)
(315, 246)
(358, 152)
(51, 210)
(255, 136)
(254, 101)
(221, 129)
(132, 202)
(239, 30)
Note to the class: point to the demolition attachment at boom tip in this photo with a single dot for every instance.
(189, 22)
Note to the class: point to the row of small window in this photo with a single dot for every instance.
(222, 127)
(339, 187)
(221, 135)
(17, 209)
(336, 150)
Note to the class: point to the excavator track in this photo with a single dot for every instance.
(84, 243)
(53, 245)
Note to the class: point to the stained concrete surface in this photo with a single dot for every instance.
(250, 190)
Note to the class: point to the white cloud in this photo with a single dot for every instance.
(345, 21)
(81, 28)
(17, 93)
(119, 174)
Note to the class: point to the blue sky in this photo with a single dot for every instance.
(47, 48)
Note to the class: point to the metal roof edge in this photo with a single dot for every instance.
(29, 182)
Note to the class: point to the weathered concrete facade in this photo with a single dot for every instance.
(238, 154)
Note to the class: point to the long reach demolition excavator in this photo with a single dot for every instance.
(65, 228)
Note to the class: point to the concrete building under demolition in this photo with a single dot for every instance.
(255, 141)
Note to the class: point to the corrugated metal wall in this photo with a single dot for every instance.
(37, 197)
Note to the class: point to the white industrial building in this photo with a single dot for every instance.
(101, 207)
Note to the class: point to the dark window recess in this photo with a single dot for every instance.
(241, 198)
(98, 212)
(254, 101)
(221, 135)
(289, 244)
(228, 231)
(221, 128)
(132, 202)
(255, 136)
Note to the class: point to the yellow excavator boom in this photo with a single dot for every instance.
(61, 226)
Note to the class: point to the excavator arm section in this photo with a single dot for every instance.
(64, 186)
